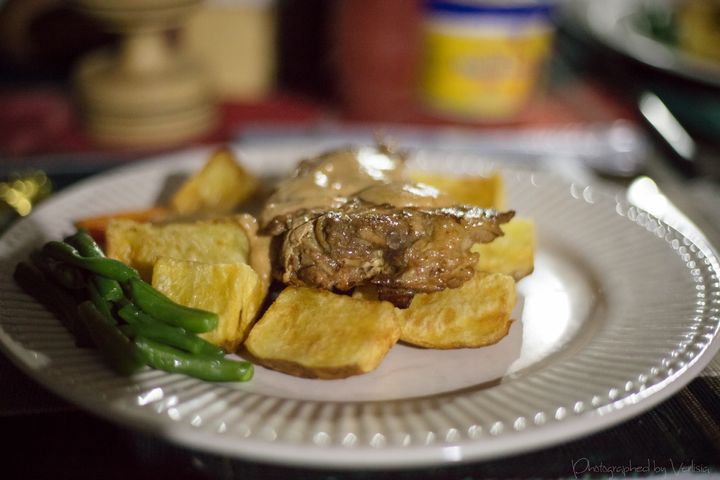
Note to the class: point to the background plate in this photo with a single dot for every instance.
(621, 312)
(615, 24)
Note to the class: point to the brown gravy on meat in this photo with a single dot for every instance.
(331, 179)
(403, 195)
(259, 257)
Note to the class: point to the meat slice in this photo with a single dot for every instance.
(400, 250)
(348, 218)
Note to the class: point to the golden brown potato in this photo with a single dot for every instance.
(141, 244)
(485, 192)
(473, 315)
(319, 334)
(219, 187)
(232, 290)
(511, 254)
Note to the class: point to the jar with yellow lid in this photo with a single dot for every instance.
(482, 59)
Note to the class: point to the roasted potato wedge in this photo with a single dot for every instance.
(485, 192)
(319, 334)
(141, 244)
(232, 290)
(473, 315)
(512, 254)
(219, 187)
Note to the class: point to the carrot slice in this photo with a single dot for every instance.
(97, 225)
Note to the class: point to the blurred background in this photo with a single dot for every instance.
(604, 85)
(621, 91)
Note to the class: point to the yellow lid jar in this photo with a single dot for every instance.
(482, 59)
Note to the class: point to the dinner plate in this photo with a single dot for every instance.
(620, 313)
(615, 23)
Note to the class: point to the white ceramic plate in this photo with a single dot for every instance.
(614, 23)
(621, 312)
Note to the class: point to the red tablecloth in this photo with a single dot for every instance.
(43, 120)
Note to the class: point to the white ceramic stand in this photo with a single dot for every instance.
(147, 92)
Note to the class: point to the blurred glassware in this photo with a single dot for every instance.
(666, 125)
(483, 59)
(692, 157)
(236, 41)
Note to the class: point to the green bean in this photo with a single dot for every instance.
(99, 301)
(128, 330)
(116, 349)
(107, 287)
(59, 301)
(110, 289)
(162, 331)
(144, 325)
(212, 369)
(106, 267)
(62, 274)
(84, 244)
(162, 308)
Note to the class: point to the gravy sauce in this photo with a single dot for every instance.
(372, 174)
